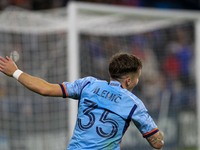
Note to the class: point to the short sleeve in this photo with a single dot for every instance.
(144, 122)
(73, 90)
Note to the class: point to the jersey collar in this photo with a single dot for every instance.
(115, 83)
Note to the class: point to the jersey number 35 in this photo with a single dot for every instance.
(104, 119)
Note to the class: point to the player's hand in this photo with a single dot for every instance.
(7, 66)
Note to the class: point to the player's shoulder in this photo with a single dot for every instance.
(91, 80)
(134, 98)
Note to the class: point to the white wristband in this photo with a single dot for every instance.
(17, 73)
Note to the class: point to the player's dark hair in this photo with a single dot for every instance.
(122, 64)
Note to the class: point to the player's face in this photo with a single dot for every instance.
(134, 80)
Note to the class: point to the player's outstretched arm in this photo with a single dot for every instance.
(156, 140)
(37, 85)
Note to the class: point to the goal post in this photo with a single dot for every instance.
(73, 59)
(197, 64)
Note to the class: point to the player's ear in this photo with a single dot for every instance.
(128, 81)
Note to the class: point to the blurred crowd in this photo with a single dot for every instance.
(168, 58)
(49, 4)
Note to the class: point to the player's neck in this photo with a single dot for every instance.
(121, 81)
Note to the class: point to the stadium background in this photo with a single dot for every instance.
(172, 67)
(49, 4)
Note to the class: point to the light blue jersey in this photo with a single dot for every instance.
(105, 111)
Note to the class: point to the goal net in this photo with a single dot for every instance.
(63, 45)
(30, 121)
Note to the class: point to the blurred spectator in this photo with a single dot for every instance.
(184, 55)
(176, 66)
(180, 50)
(92, 46)
(141, 48)
(171, 65)
(151, 86)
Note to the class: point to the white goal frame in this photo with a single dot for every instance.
(73, 40)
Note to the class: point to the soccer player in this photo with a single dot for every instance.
(105, 109)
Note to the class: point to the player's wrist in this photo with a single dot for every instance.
(17, 73)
